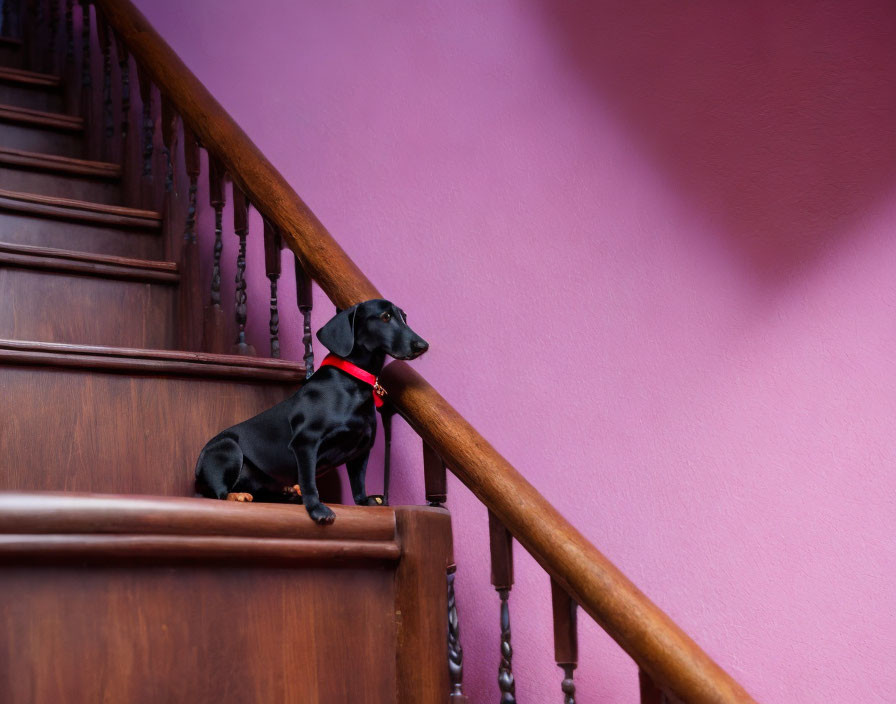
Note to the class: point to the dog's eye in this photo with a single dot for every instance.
(386, 317)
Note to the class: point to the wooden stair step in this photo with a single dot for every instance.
(134, 420)
(57, 295)
(150, 527)
(102, 265)
(31, 90)
(146, 361)
(59, 176)
(20, 76)
(57, 164)
(79, 210)
(213, 601)
(41, 118)
(40, 129)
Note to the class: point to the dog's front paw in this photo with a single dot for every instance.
(322, 515)
(242, 496)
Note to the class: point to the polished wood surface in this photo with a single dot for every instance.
(105, 265)
(79, 210)
(54, 299)
(205, 601)
(646, 633)
(115, 429)
(143, 362)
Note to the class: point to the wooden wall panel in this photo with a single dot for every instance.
(196, 634)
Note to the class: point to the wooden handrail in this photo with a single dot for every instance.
(650, 637)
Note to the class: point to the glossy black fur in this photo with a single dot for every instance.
(330, 421)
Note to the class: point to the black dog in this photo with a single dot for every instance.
(330, 421)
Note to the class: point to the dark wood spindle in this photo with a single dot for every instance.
(190, 290)
(86, 97)
(69, 32)
(501, 548)
(54, 31)
(455, 651)
(147, 123)
(566, 639)
(435, 477)
(105, 39)
(214, 324)
(6, 18)
(306, 304)
(124, 67)
(169, 138)
(272, 246)
(241, 228)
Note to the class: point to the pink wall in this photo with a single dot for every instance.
(653, 251)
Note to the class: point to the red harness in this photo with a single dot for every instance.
(331, 360)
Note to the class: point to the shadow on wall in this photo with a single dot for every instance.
(778, 120)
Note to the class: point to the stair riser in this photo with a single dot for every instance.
(12, 57)
(51, 184)
(123, 434)
(50, 306)
(46, 232)
(45, 140)
(36, 98)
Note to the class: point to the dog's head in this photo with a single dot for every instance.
(375, 326)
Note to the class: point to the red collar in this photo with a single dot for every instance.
(331, 360)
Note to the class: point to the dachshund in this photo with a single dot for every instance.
(329, 422)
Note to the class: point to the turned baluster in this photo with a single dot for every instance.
(435, 477)
(54, 31)
(241, 228)
(306, 304)
(105, 40)
(86, 94)
(190, 290)
(6, 18)
(147, 123)
(124, 67)
(455, 651)
(214, 336)
(272, 246)
(69, 32)
(566, 640)
(501, 548)
(169, 138)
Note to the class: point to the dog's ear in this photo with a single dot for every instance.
(338, 335)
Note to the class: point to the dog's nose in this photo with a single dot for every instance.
(419, 346)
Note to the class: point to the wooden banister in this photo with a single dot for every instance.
(646, 633)
(662, 650)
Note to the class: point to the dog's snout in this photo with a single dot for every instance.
(419, 345)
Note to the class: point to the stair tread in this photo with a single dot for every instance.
(41, 118)
(88, 263)
(10, 41)
(56, 206)
(31, 78)
(58, 163)
(152, 361)
(84, 513)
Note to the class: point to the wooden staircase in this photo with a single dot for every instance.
(118, 361)
(117, 584)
